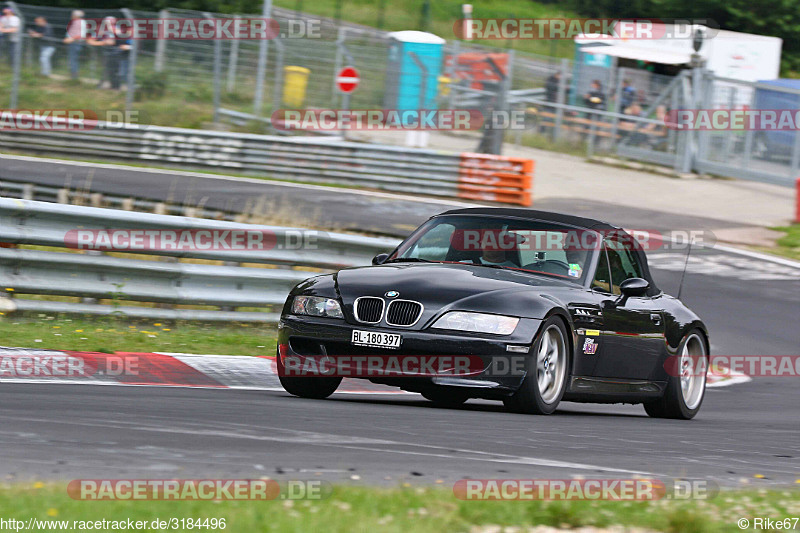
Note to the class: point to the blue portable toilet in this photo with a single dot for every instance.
(776, 143)
(404, 77)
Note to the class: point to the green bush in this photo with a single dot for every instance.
(151, 85)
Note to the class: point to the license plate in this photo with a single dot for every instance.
(376, 339)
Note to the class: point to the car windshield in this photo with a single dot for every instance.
(498, 242)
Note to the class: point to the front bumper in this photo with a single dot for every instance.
(313, 337)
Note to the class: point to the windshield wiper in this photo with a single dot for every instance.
(502, 267)
(409, 260)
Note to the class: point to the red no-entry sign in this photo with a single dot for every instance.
(347, 80)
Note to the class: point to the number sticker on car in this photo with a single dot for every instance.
(376, 339)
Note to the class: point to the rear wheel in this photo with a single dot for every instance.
(685, 392)
(445, 398)
(547, 372)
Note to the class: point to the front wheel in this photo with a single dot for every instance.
(547, 372)
(445, 398)
(686, 389)
(310, 387)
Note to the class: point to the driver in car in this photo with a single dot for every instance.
(490, 256)
(575, 260)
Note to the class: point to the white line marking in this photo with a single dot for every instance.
(35, 381)
(290, 436)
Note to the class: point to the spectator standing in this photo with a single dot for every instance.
(551, 86)
(124, 53)
(595, 98)
(76, 35)
(44, 33)
(10, 29)
(628, 95)
(107, 39)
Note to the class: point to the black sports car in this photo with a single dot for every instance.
(553, 307)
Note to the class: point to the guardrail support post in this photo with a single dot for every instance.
(592, 136)
(797, 199)
(161, 44)
(562, 97)
(233, 59)
(261, 68)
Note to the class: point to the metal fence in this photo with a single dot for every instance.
(201, 84)
(246, 78)
(640, 129)
(189, 284)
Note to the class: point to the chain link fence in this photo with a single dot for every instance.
(574, 105)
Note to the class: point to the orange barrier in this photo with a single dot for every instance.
(496, 178)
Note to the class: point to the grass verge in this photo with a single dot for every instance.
(789, 244)
(440, 17)
(407, 508)
(128, 335)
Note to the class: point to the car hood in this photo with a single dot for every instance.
(440, 287)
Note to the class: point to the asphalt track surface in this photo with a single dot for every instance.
(742, 431)
(323, 206)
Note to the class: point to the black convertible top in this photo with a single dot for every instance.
(532, 214)
(560, 218)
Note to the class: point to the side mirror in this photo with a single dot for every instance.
(380, 259)
(632, 287)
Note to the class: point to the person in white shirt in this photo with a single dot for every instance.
(9, 28)
(76, 35)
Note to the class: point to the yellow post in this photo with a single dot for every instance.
(294, 86)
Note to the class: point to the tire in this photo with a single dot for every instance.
(312, 388)
(445, 398)
(684, 393)
(548, 371)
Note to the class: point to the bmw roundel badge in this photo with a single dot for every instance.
(392, 294)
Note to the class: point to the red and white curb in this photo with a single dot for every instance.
(23, 365)
(721, 376)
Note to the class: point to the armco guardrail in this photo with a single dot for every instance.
(305, 159)
(94, 275)
(79, 196)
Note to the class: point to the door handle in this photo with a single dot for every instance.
(656, 318)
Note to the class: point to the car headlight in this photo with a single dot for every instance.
(477, 322)
(316, 306)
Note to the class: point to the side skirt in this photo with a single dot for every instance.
(608, 390)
